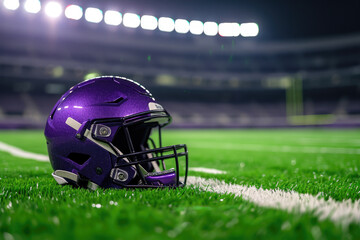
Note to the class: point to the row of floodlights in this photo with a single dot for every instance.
(132, 20)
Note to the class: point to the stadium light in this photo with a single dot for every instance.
(131, 20)
(166, 24)
(236, 29)
(93, 15)
(113, 18)
(53, 9)
(90, 75)
(149, 22)
(11, 4)
(229, 29)
(196, 27)
(73, 12)
(32, 6)
(249, 29)
(210, 28)
(182, 26)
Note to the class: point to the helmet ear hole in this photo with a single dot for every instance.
(79, 158)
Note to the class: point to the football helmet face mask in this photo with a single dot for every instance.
(98, 135)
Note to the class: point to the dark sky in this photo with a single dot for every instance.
(278, 20)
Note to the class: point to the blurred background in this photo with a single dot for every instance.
(209, 63)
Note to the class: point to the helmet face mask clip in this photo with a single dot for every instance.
(114, 151)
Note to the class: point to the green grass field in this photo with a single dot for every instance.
(324, 162)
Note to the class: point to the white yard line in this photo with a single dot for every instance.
(344, 212)
(44, 158)
(273, 148)
(355, 142)
(207, 170)
(17, 152)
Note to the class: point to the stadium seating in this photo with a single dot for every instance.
(23, 110)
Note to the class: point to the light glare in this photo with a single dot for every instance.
(11, 4)
(74, 12)
(53, 9)
(149, 22)
(229, 29)
(210, 28)
(93, 15)
(182, 26)
(166, 24)
(131, 20)
(113, 18)
(249, 29)
(32, 6)
(196, 27)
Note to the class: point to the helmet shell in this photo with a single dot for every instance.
(98, 98)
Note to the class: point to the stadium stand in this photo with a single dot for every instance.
(203, 81)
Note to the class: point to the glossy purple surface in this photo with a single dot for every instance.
(93, 99)
(99, 98)
(166, 179)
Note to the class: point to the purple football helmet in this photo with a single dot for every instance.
(98, 135)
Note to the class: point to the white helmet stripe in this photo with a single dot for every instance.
(76, 125)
